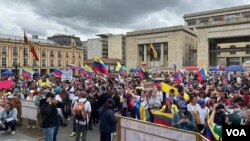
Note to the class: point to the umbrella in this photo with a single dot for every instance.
(190, 68)
(235, 68)
(8, 73)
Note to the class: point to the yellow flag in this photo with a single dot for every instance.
(166, 88)
(118, 66)
(154, 53)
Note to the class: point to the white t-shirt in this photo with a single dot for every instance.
(87, 108)
(191, 107)
(203, 113)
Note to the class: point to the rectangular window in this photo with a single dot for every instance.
(59, 63)
(204, 20)
(15, 51)
(218, 48)
(218, 19)
(246, 14)
(59, 54)
(52, 53)
(233, 47)
(34, 63)
(233, 61)
(43, 62)
(73, 54)
(191, 22)
(79, 55)
(25, 52)
(67, 54)
(52, 62)
(73, 61)
(44, 53)
(25, 62)
(244, 59)
(248, 49)
(67, 62)
(4, 52)
(15, 61)
(4, 62)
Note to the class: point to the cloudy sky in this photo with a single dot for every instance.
(87, 18)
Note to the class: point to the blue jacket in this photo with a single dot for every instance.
(178, 116)
(11, 116)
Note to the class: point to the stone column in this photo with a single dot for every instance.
(145, 54)
(162, 54)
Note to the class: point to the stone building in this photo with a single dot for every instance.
(14, 54)
(223, 35)
(174, 45)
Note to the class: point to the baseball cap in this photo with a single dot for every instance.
(183, 105)
(202, 101)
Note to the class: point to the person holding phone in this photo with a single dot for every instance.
(184, 119)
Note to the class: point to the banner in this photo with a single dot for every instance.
(29, 109)
(67, 75)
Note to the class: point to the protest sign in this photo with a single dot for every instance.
(67, 75)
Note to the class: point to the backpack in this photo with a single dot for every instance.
(79, 107)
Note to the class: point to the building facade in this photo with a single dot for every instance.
(84, 46)
(116, 47)
(15, 54)
(94, 48)
(223, 35)
(174, 45)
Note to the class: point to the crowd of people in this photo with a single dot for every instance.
(222, 98)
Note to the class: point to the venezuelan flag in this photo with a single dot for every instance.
(153, 51)
(140, 112)
(157, 81)
(89, 70)
(83, 70)
(166, 88)
(162, 118)
(139, 71)
(57, 73)
(27, 73)
(99, 66)
(73, 67)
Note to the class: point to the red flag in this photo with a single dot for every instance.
(32, 46)
(33, 51)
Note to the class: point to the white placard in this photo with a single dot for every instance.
(67, 75)
(140, 131)
(29, 109)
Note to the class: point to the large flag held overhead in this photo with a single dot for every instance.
(201, 74)
(178, 75)
(89, 70)
(153, 51)
(73, 67)
(57, 72)
(166, 88)
(27, 73)
(119, 68)
(99, 66)
(31, 46)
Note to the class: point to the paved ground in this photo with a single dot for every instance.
(24, 134)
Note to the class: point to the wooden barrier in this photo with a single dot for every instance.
(131, 129)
